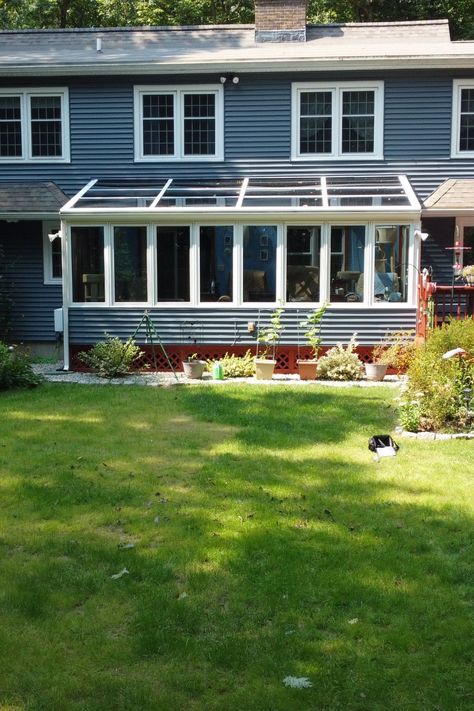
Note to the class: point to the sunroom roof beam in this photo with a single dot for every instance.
(324, 191)
(161, 193)
(72, 202)
(243, 189)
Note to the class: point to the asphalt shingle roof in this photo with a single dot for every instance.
(31, 198)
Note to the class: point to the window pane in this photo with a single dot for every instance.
(316, 122)
(347, 263)
(130, 264)
(358, 121)
(56, 259)
(172, 246)
(199, 124)
(259, 277)
(10, 127)
(466, 129)
(46, 134)
(391, 263)
(302, 259)
(87, 264)
(158, 124)
(215, 263)
(467, 101)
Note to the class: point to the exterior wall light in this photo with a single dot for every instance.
(54, 235)
(421, 235)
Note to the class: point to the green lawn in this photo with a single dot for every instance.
(266, 543)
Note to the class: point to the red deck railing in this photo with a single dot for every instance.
(438, 304)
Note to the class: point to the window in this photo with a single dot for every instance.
(216, 248)
(130, 265)
(172, 252)
(302, 263)
(463, 119)
(391, 263)
(52, 253)
(259, 267)
(347, 263)
(87, 245)
(185, 123)
(34, 125)
(337, 120)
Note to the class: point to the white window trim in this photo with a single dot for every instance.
(336, 89)
(178, 92)
(25, 94)
(48, 227)
(458, 86)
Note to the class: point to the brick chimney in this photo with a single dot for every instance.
(280, 20)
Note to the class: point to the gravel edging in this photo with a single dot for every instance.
(54, 374)
(435, 436)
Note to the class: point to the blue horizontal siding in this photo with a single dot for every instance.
(34, 301)
(229, 327)
(257, 132)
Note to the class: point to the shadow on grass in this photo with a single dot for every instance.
(267, 543)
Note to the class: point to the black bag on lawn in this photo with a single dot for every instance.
(381, 441)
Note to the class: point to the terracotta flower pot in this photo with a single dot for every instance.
(194, 369)
(375, 371)
(264, 368)
(307, 369)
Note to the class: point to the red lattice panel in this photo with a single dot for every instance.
(287, 356)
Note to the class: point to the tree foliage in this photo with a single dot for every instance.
(24, 14)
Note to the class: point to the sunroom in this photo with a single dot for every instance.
(206, 257)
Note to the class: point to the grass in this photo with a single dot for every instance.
(266, 543)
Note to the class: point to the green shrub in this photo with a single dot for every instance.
(396, 350)
(341, 363)
(111, 358)
(235, 366)
(436, 389)
(16, 370)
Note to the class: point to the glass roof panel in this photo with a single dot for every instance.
(264, 193)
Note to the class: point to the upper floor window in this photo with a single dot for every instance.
(184, 123)
(463, 118)
(34, 125)
(337, 120)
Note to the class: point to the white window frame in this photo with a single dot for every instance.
(458, 86)
(50, 226)
(178, 93)
(337, 89)
(25, 96)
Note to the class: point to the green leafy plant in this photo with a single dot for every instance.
(192, 357)
(439, 387)
(341, 363)
(235, 366)
(16, 370)
(312, 324)
(271, 335)
(396, 350)
(111, 358)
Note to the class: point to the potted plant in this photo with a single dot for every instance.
(468, 274)
(265, 361)
(312, 325)
(194, 367)
(395, 351)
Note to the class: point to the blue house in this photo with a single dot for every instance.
(207, 174)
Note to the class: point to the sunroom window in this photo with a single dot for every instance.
(337, 120)
(391, 263)
(216, 248)
(87, 245)
(302, 263)
(172, 253)
(259, 265)
(184, 123)
(130, 264)
(347, 263)
(34, 125)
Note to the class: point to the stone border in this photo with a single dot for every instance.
(435, 436)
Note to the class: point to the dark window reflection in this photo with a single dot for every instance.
(172, 247)
(87, 264)
(302, 259)
(215, 266)
(347, 263)
(259, 277)
(130, 264)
